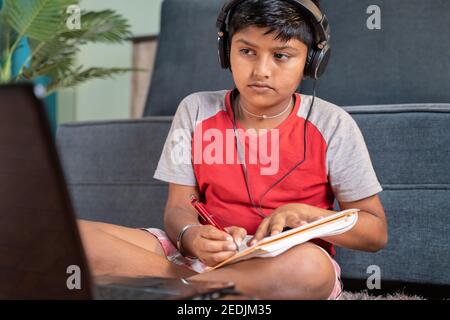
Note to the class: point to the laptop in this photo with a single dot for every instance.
(41, 253)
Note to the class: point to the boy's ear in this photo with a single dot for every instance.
(228, 54)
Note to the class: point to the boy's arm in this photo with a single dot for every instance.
(369, 233)
(178, 211)
(215, 245)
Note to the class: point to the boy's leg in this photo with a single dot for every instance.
(109, 254)
(138, 237)
(302, 272)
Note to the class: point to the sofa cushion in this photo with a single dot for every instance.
(410, 147)
(109, 168)
(406, 61)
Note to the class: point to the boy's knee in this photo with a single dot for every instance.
(90, 230)
(319, 283)
(84, 229)
(317, 276)
(99, 260)
(307, 273)
(85, 226)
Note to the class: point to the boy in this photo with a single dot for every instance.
(262, 158)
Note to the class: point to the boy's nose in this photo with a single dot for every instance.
(262, 68)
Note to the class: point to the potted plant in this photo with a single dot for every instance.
(44, 27)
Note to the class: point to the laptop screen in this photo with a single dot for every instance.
(41, 254)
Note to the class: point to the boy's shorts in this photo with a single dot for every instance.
(196, 265)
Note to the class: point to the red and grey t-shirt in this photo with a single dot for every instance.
(200, 150)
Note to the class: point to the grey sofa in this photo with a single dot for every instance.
(389, 80)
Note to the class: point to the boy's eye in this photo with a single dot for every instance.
(245, 51)
(281, 56)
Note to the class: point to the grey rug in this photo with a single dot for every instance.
(365, 295)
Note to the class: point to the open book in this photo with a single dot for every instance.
(272, 246)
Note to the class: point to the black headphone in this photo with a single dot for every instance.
(319, 53)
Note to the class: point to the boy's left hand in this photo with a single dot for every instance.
(290, 215)
(238, 235)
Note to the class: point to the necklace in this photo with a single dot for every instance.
(266, 116)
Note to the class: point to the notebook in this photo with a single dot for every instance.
(272, 246)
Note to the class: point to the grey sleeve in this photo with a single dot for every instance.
(350, 171)
(175, 164)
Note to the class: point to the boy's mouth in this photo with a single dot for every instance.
(260, 87)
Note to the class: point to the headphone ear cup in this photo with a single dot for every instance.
(224, 51)
(228, 55)
(308, 70)
(322, 58)
(220, 52)
(316, 62)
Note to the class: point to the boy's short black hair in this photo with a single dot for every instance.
(279, 16)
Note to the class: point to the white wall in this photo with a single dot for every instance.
(108, 99)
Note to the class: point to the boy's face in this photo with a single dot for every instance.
(256, 57)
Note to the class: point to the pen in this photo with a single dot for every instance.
(202, 212)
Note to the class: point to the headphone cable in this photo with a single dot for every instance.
(238, 146)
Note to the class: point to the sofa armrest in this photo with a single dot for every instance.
(409, 147)
(109, 168)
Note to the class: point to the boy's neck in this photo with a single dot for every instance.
(248, 121)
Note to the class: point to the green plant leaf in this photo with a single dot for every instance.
(37, 19)
(4, 31)
(52, 58)
(54, 69)
(78, 76)
(58, 55)
(53, 46)
(6, 37)
(100, 26)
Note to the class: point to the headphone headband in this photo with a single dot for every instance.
(318, 55)
(307, 5)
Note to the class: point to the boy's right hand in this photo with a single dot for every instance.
(209, 244)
